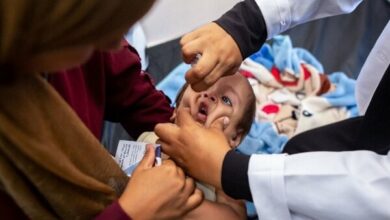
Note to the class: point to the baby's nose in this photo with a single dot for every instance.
(211, 97)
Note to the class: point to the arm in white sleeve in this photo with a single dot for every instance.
(373, 69)
(321, 185)
(251, 22)
(281, 15)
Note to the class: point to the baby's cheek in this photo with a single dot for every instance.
(186, 104)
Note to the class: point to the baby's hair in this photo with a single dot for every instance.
(246, 119)
(249, 115)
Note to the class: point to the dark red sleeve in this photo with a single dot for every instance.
(132, 98)
(113, 212)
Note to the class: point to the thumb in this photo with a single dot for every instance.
(183, 117)
(220, 124)
(149, 157)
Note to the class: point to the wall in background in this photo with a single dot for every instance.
(170, 19)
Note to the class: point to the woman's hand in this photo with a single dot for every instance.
(162, 192)
(219, 55)
(198, 150)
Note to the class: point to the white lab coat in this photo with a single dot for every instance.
(323, 185)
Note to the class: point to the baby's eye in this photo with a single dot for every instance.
(227, 100)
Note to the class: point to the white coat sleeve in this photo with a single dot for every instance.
(373, 69)
(281, 15)
(321, 185)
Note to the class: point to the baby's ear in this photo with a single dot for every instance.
(173, 117)
(235, 140)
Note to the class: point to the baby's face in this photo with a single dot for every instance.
(226, 98)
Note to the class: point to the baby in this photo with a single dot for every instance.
(231, 97)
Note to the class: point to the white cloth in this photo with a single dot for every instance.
(323, 185)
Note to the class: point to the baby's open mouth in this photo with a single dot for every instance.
(201, 116)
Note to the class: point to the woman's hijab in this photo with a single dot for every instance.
(50, 163)
(28, 27)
